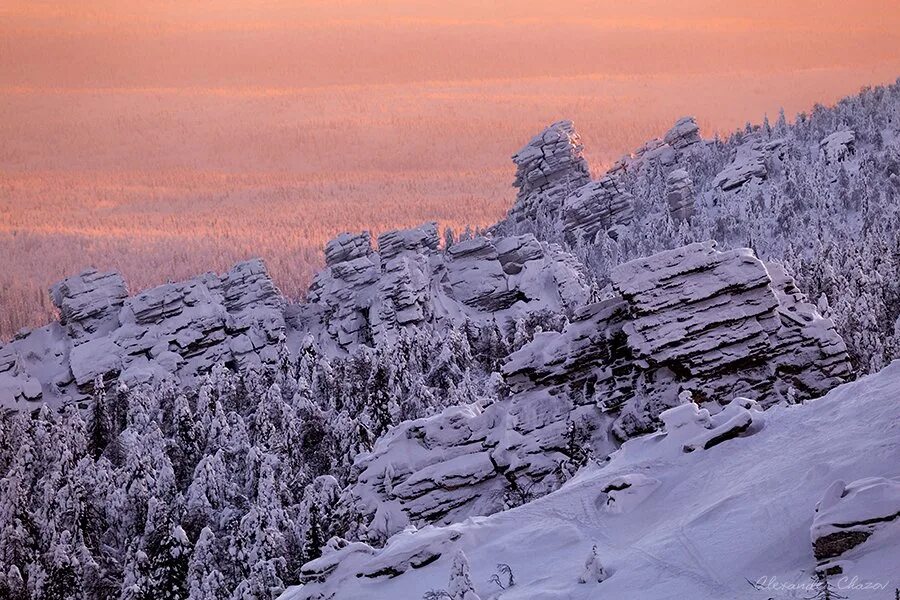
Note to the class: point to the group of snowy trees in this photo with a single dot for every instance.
(835, 224)
(222, 491)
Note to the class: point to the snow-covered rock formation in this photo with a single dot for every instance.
(849, 514)
(556, 192)
(749, 162)
(675, 147)
(364, 295)
(818, 194)
(716, 324)
(594, 207)
(672, 433)
(549, 168)
(680, 194)
(719, 324)
(178, 328)
(838, 146)
(668, 523)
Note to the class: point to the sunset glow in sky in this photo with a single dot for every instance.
(165, 138)
(275, 44)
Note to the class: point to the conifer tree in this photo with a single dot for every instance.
(168, 552)
(461, 587)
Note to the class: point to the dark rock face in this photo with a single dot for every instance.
(835, 544)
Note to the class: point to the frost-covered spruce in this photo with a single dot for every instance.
(461, 587)
(593, 570)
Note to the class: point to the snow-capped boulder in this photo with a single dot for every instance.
(408, 550)
(748, 162)
(626, 492)
(89, 303)
(848, 514)
(680, 195)
(689, 428)
(548, 168)
(335, 552)
(684, 422)
(838, 146)
(684, 134)
(180, 329)
(740, 417)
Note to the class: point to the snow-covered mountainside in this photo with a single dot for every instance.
(695, 321)
(667, 523)
(631, 362)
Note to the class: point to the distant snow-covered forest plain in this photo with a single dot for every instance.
(163, 183)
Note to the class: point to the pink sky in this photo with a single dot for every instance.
(166, 138)
(228, 43)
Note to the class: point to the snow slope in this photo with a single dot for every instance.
(740, 511)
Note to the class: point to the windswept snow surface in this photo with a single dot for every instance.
(739, 511)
